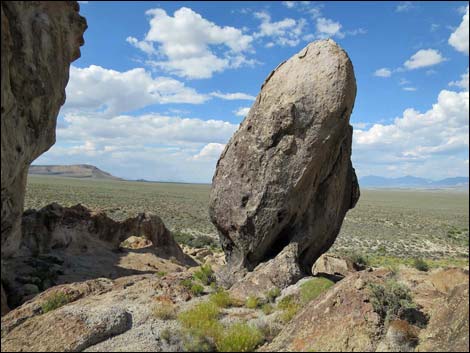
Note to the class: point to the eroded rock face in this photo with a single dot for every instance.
(285, 180)
(39, 41)
(72, 244)
(57, 227)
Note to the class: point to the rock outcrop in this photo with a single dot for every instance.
(343, 318)
(334, 267)
(39, 41)
(71, 228)
(285, 181)
(72, 244)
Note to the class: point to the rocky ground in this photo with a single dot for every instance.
(124, 314)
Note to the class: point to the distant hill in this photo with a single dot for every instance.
(84, 171)
(409, 181)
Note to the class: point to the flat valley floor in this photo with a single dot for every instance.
(386, 227)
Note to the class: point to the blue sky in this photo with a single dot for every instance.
(161, 86)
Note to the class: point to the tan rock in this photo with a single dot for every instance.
(286, 177)
(333, 266)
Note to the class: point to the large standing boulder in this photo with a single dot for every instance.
(39, 41)
(285, 180)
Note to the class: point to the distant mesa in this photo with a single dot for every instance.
(409, 182)
(82, 171)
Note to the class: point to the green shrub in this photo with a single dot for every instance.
(201, 241)
(166, 334)
(161, 274)
(272, 294)
(54, 301)
(267, 308)
(389, 300)
(420, 265)
(187, 283)
(221, 298)
(313, 288)
(201, 327)
(198, 317)
(239, 337)
(289, 306)
(164, 311)
(197, 289)
(205, 275)
(359, 259)
(252, 302)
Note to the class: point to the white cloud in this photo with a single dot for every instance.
(435, 27)
(289, 4)
(405, 6)
(286, 32)
(328, 28)
(143, 129)
(211, 151)
(431, 144)
(410, 89)
(233, 96)
(242, 111)
(459, 39)
(424, 58)
(383, 72)
(146, 47)
(404, 81)
(111, 92)
(462, 83)
(149, 146)
(193, 46)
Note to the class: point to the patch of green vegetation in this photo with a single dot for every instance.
(252, 302)
(359, 259)
(421, 265)
(55, 301)
(201, 327)
(267, 309)
(406, 224)
(289, 306)
(240, 337)
(166, 335)
(388, 261)
(389, 300)
(164, 311)
(161, 274)
(221, 298)
(272, 294)
(313, 288)
(195, 241)
(205, 274)
(197, 289)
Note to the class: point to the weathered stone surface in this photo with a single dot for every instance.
(72, 244)
(39, 41)
(332, 266)
(286, 177)
(102, 313)
(448, 327)
(57, 227)
(342, 319)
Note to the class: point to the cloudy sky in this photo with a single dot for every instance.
(161, 86)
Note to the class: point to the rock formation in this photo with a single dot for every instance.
(57, 227)
(285, 180)
(39, 41)
(72, 244)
